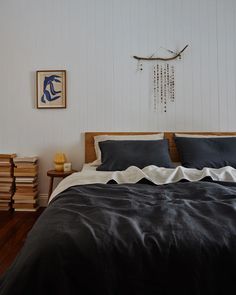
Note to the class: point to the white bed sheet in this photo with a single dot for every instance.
(157, 175)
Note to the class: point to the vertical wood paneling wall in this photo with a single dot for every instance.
(94, 40)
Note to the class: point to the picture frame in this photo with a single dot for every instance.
(51, 89)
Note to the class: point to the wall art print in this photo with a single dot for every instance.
(51, 89)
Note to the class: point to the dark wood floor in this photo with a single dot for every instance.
(14, 227)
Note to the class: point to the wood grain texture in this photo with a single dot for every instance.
(14, 227)
(90, 155)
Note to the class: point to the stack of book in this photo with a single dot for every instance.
(26, 179)
(6, 181)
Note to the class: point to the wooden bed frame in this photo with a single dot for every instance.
(90, 155)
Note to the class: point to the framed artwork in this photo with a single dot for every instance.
(51, 89)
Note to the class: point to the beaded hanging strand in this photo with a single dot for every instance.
(168, 81)
(158, 83)
(139, 65)
(155, 90)
(172, 84)
(163, 86)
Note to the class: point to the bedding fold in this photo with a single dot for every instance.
(154, 174)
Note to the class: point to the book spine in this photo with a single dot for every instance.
(7, 181)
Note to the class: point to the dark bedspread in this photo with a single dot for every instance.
(131, 239)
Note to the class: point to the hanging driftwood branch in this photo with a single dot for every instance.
(161, 58)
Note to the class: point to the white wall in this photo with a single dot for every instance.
(94, 41)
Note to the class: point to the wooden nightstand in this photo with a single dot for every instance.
(54, 173)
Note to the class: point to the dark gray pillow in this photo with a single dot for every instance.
(118, 155)
(207, 152)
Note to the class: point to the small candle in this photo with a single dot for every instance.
(67, 167)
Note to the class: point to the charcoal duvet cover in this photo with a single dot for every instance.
(131, 239)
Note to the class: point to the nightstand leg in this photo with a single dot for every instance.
(50, 187)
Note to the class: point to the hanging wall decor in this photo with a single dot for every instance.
(176, 55)
(163, 79)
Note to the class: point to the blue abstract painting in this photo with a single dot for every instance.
(51, 89)
(49, 92)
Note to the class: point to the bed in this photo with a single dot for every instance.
(130, 232)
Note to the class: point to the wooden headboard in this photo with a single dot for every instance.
(90, 155)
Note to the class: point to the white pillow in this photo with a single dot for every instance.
(202, 135)
(105, 137)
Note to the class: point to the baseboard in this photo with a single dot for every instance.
(43, 200)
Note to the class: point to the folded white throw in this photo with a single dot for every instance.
(133, 174)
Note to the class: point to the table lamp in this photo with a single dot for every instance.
(59, 160)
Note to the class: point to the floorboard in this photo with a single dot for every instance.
(14, 227)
